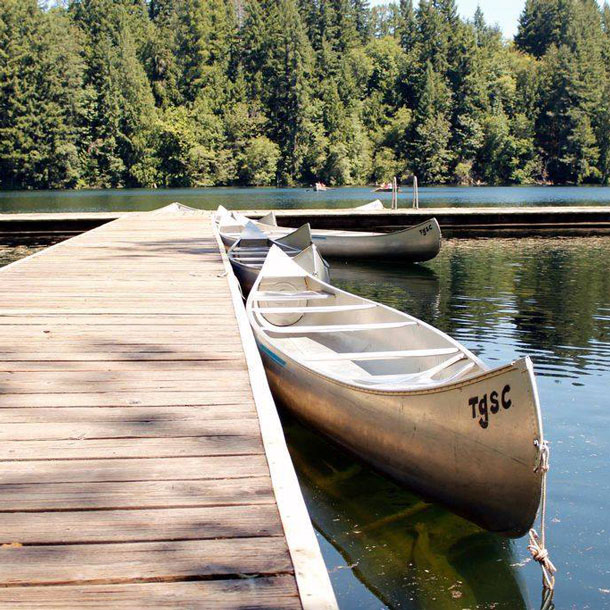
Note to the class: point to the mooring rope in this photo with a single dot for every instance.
(537, 545)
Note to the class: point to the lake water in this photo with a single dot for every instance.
(264, 198)
(549, 298)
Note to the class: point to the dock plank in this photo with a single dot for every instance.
(254, 593)
(37, 497)
(196, 523)
(142, 561)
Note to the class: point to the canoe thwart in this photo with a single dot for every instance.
(334, 328)
(409, 353)
(329, 309)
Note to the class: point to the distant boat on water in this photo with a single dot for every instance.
(384, 187)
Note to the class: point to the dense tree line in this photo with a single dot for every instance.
(111, 93)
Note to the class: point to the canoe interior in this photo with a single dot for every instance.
(347, 337)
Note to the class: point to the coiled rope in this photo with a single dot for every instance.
(537, 544)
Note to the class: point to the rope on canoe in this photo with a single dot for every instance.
(537, 544)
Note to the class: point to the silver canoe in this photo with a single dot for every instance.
(248, 254)
(402, 395)
(419, 243)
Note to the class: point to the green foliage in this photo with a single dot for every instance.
(186, 93)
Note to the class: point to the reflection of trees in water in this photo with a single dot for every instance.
(409, 553)
(548, 296)
(411, 288)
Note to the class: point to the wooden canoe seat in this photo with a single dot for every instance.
(333, 328)
(329, 309)
(397, 354)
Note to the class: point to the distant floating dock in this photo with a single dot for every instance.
(142, 462)
(461, 222)
(455, 222)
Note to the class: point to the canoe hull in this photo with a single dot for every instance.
(414, 244)
(246, 276)
(479, 461)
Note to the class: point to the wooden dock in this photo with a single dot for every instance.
(142, 463)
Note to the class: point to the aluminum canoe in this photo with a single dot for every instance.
(402, 395)
(248, 254)
(419, 243)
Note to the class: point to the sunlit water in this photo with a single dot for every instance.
(262, 198)
(384, 547)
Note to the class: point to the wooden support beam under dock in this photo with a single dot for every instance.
(142, 462)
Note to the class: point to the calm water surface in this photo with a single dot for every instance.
(262, 198)
(549, 298)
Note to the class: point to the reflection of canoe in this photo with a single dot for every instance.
(248, 253)
(418, 243)
(400, 547)
(402, 395)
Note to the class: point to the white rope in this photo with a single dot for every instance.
(537, 544)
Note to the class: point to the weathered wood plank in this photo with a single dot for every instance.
(138, 397)
(195, 523)
(142, 561)
(130, 386)
(128, 429)
(212, 370)
(107, 470)
(162, 447)
(253, 593)
(134, 358)
(236, 413)
(40, 496)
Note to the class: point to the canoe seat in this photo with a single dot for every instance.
(423, 378)
(329, 309)
(304, 348)
(396, 354)
(291, 296)
(333, 328)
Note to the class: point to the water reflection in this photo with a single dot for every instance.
(407, 552)
(506, 298)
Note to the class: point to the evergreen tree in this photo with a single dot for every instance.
(407, 29)
(362, 19)
(573, 91)
(540, 26)
(41, 98)
(287, 90)
(432, 156)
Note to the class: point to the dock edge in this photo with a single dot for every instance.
(313, 581)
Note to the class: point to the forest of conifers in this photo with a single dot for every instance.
(187, 93)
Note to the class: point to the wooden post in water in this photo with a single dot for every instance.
(394, 194)
(415, 193)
